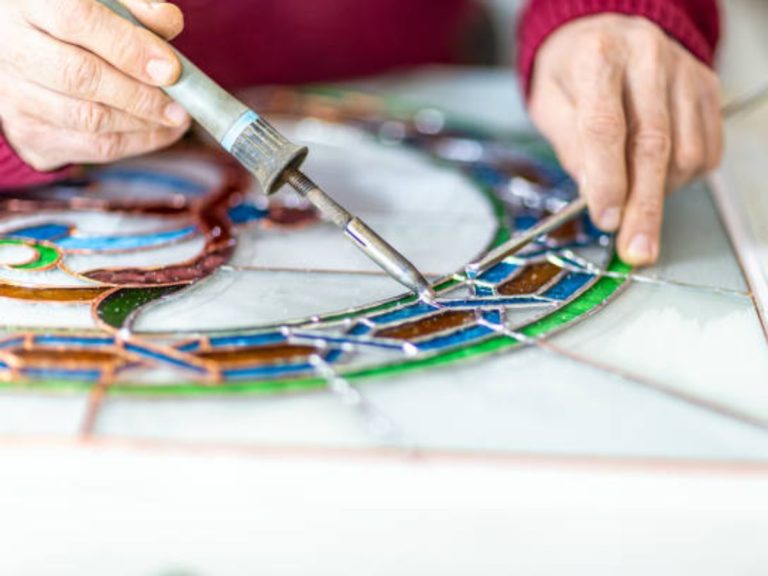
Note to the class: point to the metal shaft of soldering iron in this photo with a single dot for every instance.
(373, 245)
(274, 160)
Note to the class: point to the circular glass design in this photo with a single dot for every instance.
(171, 275)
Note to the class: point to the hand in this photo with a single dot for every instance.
(632, 115)
(80, 84)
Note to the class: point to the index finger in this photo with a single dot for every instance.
(602, 128)
(91, 25)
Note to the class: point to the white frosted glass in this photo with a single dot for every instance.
(707, 345)
(155, 257)
(26, 314)
(695, 248)
(535, 401)
(239, 300)
(315, 419)
(38, 414)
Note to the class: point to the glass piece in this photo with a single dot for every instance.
(269, 354)
(695, 248)
(567, 286)
(313, 420)
(49, 232)
(25, 414)
(532, 278)
(159, 257)
(428, 326)
(35, 315)
(237, 300)
(51, 294)
(14, 254)
(122, 243)
(115, 309)
(45, 256)
(691, 343)
(67, 359)
(291, 216)
(533, 401)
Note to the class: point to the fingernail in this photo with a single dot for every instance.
(640, 249)
(175, 114)
(161, 71)
(610, 219)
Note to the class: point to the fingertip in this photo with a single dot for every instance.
(163, 18)
(609, 219)
(639, 249)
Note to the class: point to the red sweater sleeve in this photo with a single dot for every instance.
(15, 173)
(693, 23)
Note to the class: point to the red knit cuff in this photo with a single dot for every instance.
(543, 17)
(15, 173)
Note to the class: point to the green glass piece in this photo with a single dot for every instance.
(115, 309)
(46, 255)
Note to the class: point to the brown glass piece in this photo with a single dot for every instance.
(428, 326)
(256, 356)
(73, 359)
(51, 294)
(290, 217)
(530, 280)
(213, 221)
(568, 232)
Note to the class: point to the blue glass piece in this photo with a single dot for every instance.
(107, 243)
(3, 365)
(524, 222)
(404, 313)
(155, 355)
(244, 213)
(496, 301)
(247, 340)
(12, 342)
(498, 273)
(84, 341)
(62, 374)
(455, 338)
(189, 347)
(266, 371)
(488, 175)
(568, 286)
(49, 232)
(176, 183)
(482, 291)
(492, 316)
(340, 340)
(359, 329)
(333, 356)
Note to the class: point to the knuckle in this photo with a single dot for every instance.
(80, 75)
(146, 102)
(650, 208)
(108, 148)
(132, 51)
(689, 158)
(92, 117)
(600, 46)
(64, 18)
(604, 127)
(652, 143)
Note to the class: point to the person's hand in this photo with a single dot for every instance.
(79, 83)
(632, 115)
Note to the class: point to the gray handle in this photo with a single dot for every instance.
(242, 132)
